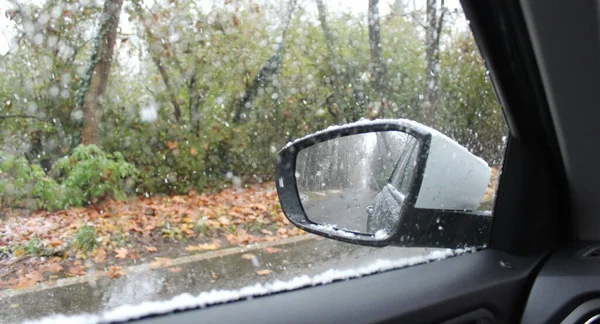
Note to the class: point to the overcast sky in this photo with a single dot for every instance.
(7, 32)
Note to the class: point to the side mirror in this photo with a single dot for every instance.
(384, 182)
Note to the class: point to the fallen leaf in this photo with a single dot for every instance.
(100, 256)
(201, 247)
(266, 232)
(55, 267)
(76, 270)
(264, 272)
(8, 283)
(14, 305)
(55, 242)
(224, 221)
(172, 145)
(35, 275)
(271, 250)
(23, 283)
(121, 253)
(248, 256)
(175, 269)
(161, 262)
(150, 249)
(114, 272)
(133, 255)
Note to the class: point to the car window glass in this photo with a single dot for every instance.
(137, 138)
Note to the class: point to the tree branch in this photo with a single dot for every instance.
(440, 23)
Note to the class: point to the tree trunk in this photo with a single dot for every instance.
(263, 77)
(433, 30)
(194, 100)
(99, 70)
(157, 62)
(376, 66)
(336, 79)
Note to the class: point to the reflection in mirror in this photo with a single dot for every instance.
(358, 182)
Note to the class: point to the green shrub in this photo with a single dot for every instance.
(87, 175)
(170, 158)
(90, 174)
(23, 184)
(85, 240)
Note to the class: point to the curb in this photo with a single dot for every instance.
(91, 278)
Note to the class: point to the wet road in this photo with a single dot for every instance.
(346, 210)
(232, 271)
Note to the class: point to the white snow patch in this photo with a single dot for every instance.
(332, 230)
(187, 301)
(381, 234)
(400, 121)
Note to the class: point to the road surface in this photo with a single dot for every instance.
(346, 210)
(309, 256)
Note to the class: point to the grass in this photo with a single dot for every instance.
(85, 240)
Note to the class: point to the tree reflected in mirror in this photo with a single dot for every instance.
(358, 182)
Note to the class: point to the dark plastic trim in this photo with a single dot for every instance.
(446, 289)
(532, 205)
(584, 313)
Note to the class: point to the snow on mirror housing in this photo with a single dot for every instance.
(385, 182)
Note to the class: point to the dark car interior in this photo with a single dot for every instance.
(542, 262)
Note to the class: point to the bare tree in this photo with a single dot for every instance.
(398, 8)
(433, 31)
(95, 80)
(264, 75)
(336, 80)
(376, 65)
(156, 59)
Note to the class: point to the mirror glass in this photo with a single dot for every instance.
(359, 182)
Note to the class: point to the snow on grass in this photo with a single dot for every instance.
(188, 301)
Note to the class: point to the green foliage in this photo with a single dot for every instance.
(89, 174)
(469, 111)
(35, 247)
(210, 58)
(21, 183)
(85, 240)
(170, 158)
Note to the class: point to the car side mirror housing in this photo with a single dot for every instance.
(384, 182)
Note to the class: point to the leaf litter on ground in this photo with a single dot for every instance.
(39, 246)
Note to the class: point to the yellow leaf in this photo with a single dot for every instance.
(55, 267)
(264, 272)
(266, 232)
(161, 262)
(114, 272)
(224, 221)
(271, 250)
(248, 256)
(201, 247)
(121, 253)
(100, 256)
